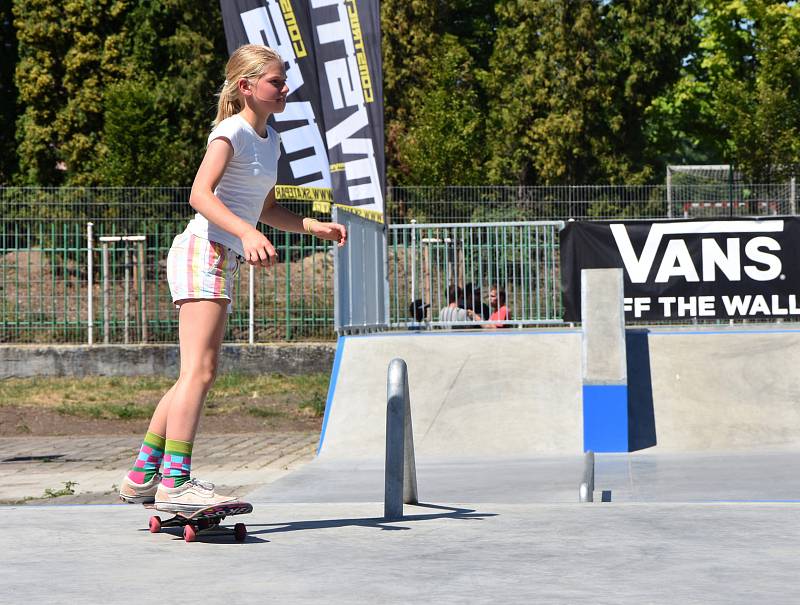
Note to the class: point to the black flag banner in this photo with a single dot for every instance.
(690, 269)
(332, 127)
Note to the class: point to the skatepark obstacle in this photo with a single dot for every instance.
(401, 470)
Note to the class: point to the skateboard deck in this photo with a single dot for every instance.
(206, 518)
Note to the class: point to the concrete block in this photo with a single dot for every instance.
(21, 361)
(603, 320)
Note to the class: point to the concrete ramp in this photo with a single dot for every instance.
(721, 390)
(472, 394)
(519, 394)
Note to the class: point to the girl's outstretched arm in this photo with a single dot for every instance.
(258, 250)
(279, 217)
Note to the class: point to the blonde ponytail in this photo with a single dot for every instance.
(248, 61)
(229, 102)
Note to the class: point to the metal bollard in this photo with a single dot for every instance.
(586, 489)
(401, 470)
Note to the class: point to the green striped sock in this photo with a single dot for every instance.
(177, 463)
(149, 459)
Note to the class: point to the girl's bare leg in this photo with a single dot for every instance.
(158, 422)
(201, 326)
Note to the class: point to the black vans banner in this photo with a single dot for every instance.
(332, 128)
(726, 268)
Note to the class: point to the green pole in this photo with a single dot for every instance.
(287, 283)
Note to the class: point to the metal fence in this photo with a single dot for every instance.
(519, 259)
(45, 276)
(45, 250)
(587, 202)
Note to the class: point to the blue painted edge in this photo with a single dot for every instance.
(605, 418)
(337, 360)
(462, 333)
(656, 332)
(53, 506)
(747, 502)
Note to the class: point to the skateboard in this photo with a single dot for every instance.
(206, 518)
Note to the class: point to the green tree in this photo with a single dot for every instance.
(408, 39)
(474, 24)
(68, 53)
(544, 91)
(443, 143)
(135, 130)
(73, 54)
(178, 48)
(92, 63)
(434, 104)
(8, 92)
(759, 103)
(570, 84)
(645, 43)
(39, 74)
(738, 100)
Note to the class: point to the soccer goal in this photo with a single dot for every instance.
(704, 189)
(713, 190)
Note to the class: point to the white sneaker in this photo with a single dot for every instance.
(138, 493)
(191, 496)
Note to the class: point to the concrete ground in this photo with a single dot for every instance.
(523, 538)
(498, 467)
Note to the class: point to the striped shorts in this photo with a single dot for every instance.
(200, 269)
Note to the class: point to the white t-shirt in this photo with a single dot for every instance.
(450, 315)
(250, 175)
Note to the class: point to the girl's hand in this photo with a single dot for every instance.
(258, 250)
(330, 231)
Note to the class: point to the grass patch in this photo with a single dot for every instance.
(111, 411)
(67, 490)
(135, 397)
(315, 404)
(303, 393)
(53, 392)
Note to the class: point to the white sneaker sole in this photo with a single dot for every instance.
(137, 499)
(172, 507)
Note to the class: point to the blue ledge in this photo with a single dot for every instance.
(605, 417)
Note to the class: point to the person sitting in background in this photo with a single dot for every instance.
(497, 301)
(453, 312)
(418, 312)
(477, 310)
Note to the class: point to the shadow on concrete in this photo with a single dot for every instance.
(218, 535)
(641, 416)
(462, 514)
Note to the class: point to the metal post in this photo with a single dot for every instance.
(414, 269)
(730, 189)
(106, 335)
(793, 194)
(142, 290)
(251, 289)
(126, 301)
(586, 489)
(90, 282)
(669, 192)
(401, 470)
